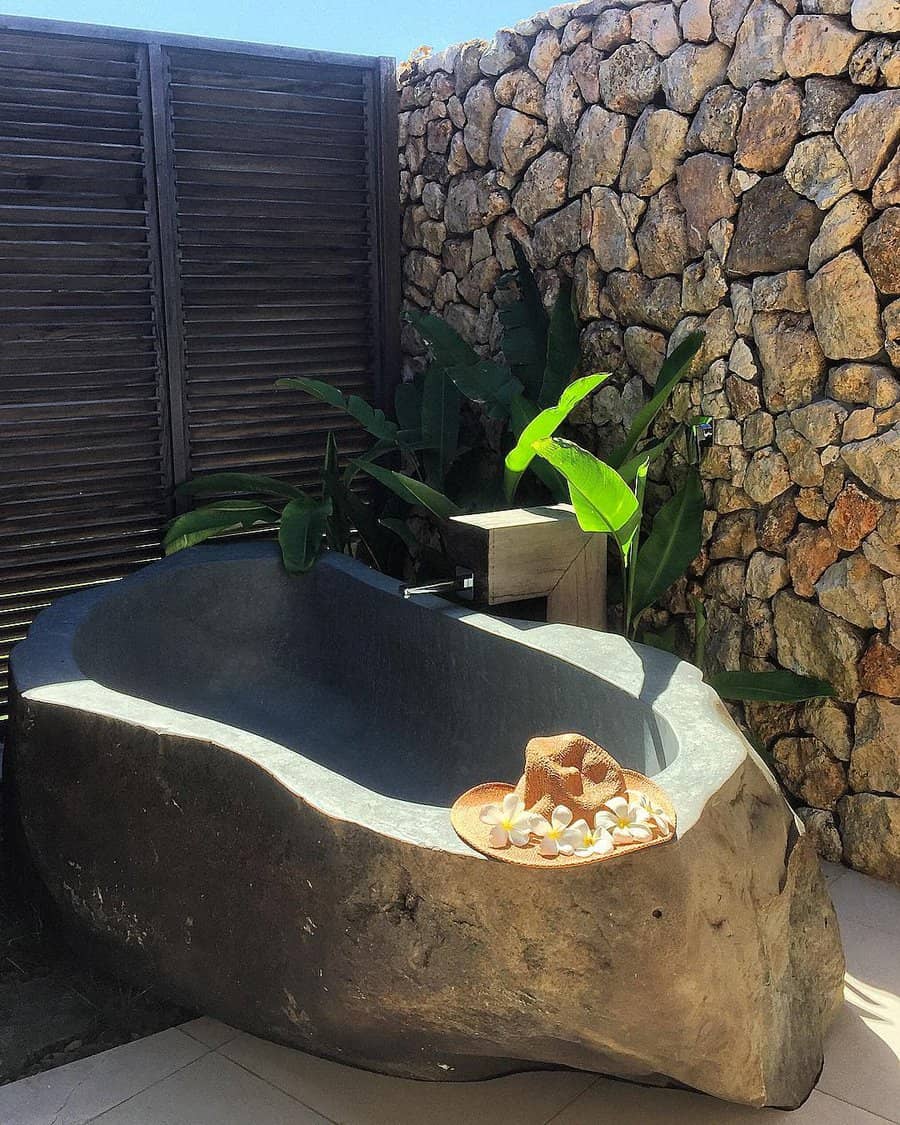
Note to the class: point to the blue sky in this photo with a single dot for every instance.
(365, 27)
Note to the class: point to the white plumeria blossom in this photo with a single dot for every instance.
(558, 835)
(627, 823)
(592, 841)
(658, 815)
(510, 823)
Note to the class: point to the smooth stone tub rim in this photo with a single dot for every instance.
(710, 747)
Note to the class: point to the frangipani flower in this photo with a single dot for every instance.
(592, 841)
(627, 823)
(509, 821)
(558, 836)
(657, 815)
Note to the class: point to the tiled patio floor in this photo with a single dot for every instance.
(204, 1073)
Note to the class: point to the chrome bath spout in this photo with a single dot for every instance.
(463, 585)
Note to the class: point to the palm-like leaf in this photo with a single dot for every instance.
(216, 519)
(370, 418)
(302, 532)
(673, 542)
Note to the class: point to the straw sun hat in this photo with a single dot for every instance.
(574, 804)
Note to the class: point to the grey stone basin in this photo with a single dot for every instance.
(236, 784)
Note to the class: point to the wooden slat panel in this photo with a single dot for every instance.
(273, 193)
(84, 476)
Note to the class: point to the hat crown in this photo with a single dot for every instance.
(571, 770)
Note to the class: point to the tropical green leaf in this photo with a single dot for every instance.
(412, 491)
(601, 499)
(521, 413)
(441, 401)
(215, 519)
(370, 418)
(634, 547)
(447, 346)
(779, 686)
(488, 383)
(544, 425)
(302, 532)
(338, 527)
(408, 405)
(673, 542)
(629, 469)
(217, 483)
(673, 370)
(525, 328)
(563, 348)
(701, 629)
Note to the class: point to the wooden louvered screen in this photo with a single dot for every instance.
(181, 222)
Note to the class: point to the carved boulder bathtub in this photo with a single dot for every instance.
(235, 785)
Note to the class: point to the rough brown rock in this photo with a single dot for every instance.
(611, 239)
(876, 462)
(758, 47)
(822, 830)
(715, 124)
(867, 133)
(695, 20)
(792, 361)
(690, 72)
(705, 193)
(562, 103)
(879, 669)
(766, 575)
(516, 139)
(629, 78)
(655, 148)
(809, 554)
(480, 107)
(612, 28)
(773, 205)
(521, 90)
(876, 15)
(824, 100)
(813, 642)
(818, 45)
(881, 250)
(817, 170)
(558, 234)
(543, 187)
(886, 190)
(853, 517)
(544, 53)
(875, 760)
(870, 826)
(661, 237)
(769, 126)
(844, 307)
(597, 150)
(852, 588)
(841, 227)
(809, 771)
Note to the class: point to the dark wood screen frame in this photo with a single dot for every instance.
(383, 218)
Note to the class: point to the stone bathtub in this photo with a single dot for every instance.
(235, 785)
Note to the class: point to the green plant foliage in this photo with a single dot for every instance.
(370, 418)
(301, 533)
(525, 326)
(673, 542)
(449, 348)
(489, 384)
(439, 423)
(544, 425)
(224, 516)
(601, 499)
(563, 348)
(218, 483)
(673, 370)
(412, 491)
(779, 686)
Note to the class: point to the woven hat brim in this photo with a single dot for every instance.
(465, 816)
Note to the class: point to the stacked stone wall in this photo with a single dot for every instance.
(734, 166)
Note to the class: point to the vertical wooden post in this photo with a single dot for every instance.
(579, 597)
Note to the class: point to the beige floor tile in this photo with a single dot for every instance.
(211, 1091)
(356, 1097)
(209, 1032)
(622, 1104)
(868, 902)
(862, 1056)
(77, 1092)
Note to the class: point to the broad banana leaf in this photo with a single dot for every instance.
(779, 686)
(673, 370)
(412, 491)
(601, 499)
(673, 542)
(370, 418)
(216, 519)
(302, 533)
(563, 348)
(441, 401)
(544, 425)
(217, 483)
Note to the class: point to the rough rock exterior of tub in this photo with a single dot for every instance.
(730, 165)
(712, 962)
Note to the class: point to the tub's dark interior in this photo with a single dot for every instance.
(400, 698)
